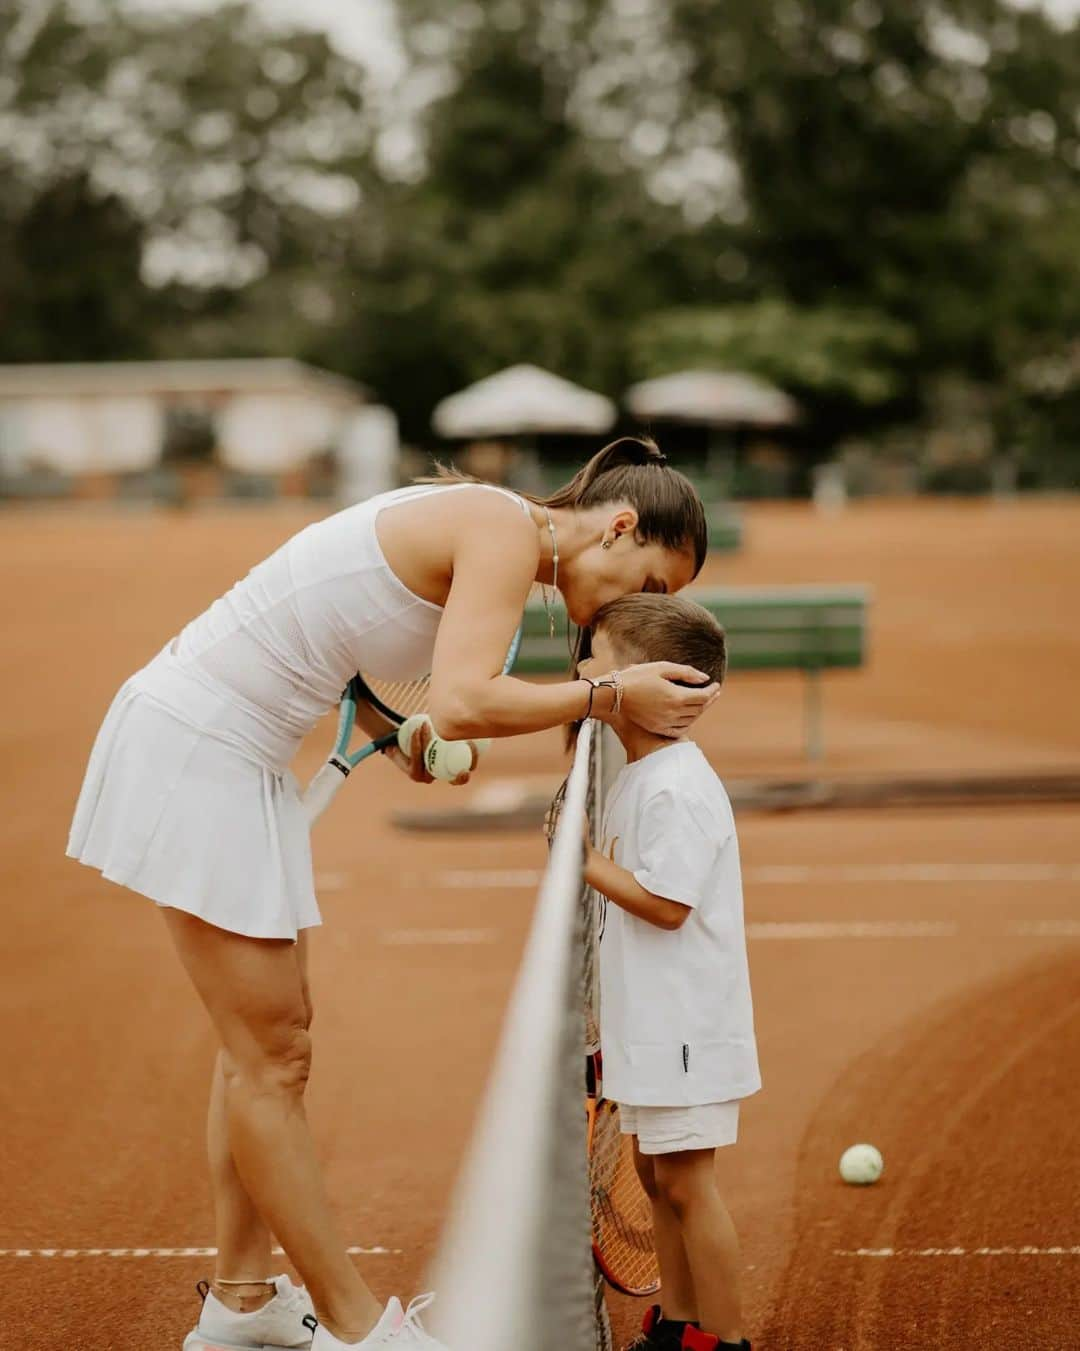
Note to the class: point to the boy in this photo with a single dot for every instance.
(676, 1017)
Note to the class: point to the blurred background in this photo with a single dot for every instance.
(862, 215)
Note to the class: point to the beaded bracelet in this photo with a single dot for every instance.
(616, 677)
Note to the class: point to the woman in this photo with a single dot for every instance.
(188, 799)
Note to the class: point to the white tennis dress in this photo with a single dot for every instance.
(188, 797)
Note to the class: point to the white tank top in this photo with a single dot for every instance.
(268, 659)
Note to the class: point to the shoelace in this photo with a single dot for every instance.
(411, 1328)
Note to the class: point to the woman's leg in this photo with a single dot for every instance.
(243, 1240)
(686, 1181)
(678, 1301)
(254, 993)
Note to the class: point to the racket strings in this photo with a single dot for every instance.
(401, 697)
(621, 1211)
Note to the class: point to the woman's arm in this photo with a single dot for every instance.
(496, 553)
(622, 887)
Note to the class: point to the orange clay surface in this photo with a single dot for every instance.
(916, 974)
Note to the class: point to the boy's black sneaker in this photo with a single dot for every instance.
(658, 1333)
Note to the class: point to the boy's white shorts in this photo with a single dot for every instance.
(664, 1130)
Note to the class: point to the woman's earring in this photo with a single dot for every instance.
(606, 544)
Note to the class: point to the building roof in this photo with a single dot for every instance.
(247, 375)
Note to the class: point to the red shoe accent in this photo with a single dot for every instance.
(652, 1317)
(693, 1339)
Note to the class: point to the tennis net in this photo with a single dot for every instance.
(515, 1263)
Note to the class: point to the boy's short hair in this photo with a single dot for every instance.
(649, 627)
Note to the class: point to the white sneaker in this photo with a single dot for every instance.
(277, 1326)
(397, 1327)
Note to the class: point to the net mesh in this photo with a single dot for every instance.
(515, 1265)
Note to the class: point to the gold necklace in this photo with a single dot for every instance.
(555, 574)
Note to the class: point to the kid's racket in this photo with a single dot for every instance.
(622, 1228)
(379, 707)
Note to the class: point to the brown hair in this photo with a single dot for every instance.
(632, 469)
(649, 627)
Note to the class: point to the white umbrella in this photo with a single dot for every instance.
(520, 400)
(717, 398)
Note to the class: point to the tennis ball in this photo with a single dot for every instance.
(861, 1164)
(447, 759)
(408, 728)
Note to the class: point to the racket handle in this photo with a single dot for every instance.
(323, 788)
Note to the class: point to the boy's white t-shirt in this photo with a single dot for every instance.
(676, 1018)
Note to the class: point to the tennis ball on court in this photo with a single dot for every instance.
(447, 759)
(407, 728)
(861, 1164)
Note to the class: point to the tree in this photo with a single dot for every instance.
(70, 288)
(237, 152)
(912, 158)
(515, 245)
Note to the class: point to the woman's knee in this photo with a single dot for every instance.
(256, 991)
(274, 1059)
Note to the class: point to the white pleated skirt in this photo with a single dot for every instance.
(170, 811)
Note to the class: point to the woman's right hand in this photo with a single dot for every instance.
(415, 765)
(653, 700)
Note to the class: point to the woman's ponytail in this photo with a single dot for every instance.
(633, 469)
(626, 452)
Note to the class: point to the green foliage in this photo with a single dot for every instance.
(515, 246)
(54, 307)
(836, 354)
(237, 154)
(862, 200)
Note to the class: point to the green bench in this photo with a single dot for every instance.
(725, 527)
(792, 628)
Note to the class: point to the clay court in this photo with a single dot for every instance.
(916, 972)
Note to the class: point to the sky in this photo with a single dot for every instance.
(363, 28)
(366, 28)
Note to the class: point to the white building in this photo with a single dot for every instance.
(263, 416)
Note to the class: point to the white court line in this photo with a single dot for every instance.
(785, 931)
(853, 929)
(1046, 928)
(160, 1252)
(470, 879)
(811, 929)
(476, 879)
(437, 937)
(1023, 1251)
(331, 881)
(795, 874)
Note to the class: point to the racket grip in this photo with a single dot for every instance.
(323, 788)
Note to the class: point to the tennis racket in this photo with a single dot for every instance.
(378, 707)
(622, 1226)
